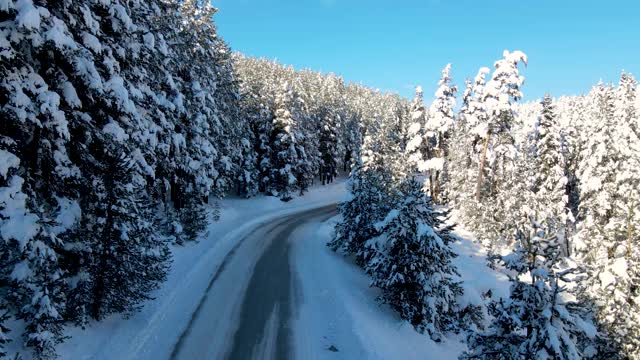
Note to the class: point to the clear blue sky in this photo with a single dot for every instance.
(395, 45)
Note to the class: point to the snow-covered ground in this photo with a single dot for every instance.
(339, 317)
(152, 333)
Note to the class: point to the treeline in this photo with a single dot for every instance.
(304, 124)
(552, 184)
(121, 123)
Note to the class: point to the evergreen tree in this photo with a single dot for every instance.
(536, 321)
(415, 150)
(439, 126)
(328, 145)
(129, 259)
(29, 246)
(501, 91)
(551, 180)
(468, 130)
(248, 182)
(285, 157)
(412, 264)
(366, 206)
(194, 218)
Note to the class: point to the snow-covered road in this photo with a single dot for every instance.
(262, 301)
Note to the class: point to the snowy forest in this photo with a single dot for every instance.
(123, 123)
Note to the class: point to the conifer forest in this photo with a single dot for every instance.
(130, 131)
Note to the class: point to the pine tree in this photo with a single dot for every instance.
(194, 218)
(501, 91)
(366, 206)
(415, 150)
(412, 264)
(550, 187)
(439, 126)
(536, 321)
(328, 151)
(29, 251)
(468, 130)
(129, 259)
(14, 218)
(285, 157)
(248, 181)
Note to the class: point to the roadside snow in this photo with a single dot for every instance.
(152, 333)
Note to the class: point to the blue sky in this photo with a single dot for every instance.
(395, 45)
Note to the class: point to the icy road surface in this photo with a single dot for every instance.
(263, 302)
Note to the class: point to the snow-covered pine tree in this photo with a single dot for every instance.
(30, 262)
(365, 207)
(328, 151)
(257, 115)
(459, 160)
(248, 182)
(465, 159)
(194, 218)
(411, 263)
(439, 127)
(570, 148)
(415, 149)
(537, 321)
(330, 112)
(284, 160)
(550, 184)
(234, 128)
(306, 137)
(45, 294)
(500, 93)
(34, 96)
(597, 168)
(129, 259)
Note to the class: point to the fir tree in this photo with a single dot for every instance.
(415, 150)
(501, 91)
(439, 126)
(468, 130)
(328, 151)
(285, 157)
(551, 180)
(365, 208)
(129, 259)
(536, 321)
(412, 264)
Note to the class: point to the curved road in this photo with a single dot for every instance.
(254, 287)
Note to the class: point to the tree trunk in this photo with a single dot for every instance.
(431, 186)
(483, 160)
(630, 229)
(436, 187)
(100, 283)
